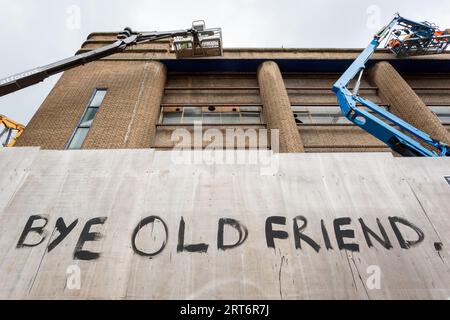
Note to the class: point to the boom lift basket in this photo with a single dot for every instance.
(203, 43)
(405, 37)
(414, 41)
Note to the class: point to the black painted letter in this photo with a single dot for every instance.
(299, 236)
(385, 242)
(85, 236)
(142, 223)
(198, 247)
(272, 234)
(341, 234)
(242, 230)
(63, 232)
(29, 228)
(326, 238)
(405, 244)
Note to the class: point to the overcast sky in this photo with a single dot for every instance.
(35, 32)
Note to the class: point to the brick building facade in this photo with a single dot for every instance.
(135, 222)
(145, 94)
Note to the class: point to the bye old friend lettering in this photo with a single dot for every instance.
(340, 236)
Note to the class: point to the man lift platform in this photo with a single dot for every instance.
(405, 38)
(195, 42)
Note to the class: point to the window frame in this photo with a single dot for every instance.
(217, 113)
(334, 121)
(446, 115)
(79, 126)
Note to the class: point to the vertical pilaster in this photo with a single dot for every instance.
(142, 131)
(277, 108)
(405, 103)
(128, 116)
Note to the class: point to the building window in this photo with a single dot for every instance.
(443, 113)
(224, 115)
(318, 115)
(86, 120)
(323, 115)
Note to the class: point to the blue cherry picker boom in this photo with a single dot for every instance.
(404, 38)
(195, 42)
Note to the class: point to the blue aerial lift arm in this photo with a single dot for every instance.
(350, 102)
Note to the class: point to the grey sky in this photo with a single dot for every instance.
(39, 32)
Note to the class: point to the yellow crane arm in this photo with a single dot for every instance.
(12, 129)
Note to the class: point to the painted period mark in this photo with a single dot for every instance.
(447, 178)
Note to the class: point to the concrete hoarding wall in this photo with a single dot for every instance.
(139, 202)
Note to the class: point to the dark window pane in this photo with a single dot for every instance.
(442, 112)
(192, 111)
(171, 117)
(342, 120)
(230, 117)
(98, 98)
(251, 117)
(88, 117)
(301, 118)
(86, 121)
(78, 138)
(318, 115)
(298, 109)
(326, 115)
(440, 109)
(192, 114)
(211, 118)
(320, 119)
(445, 119)
(250, 109)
